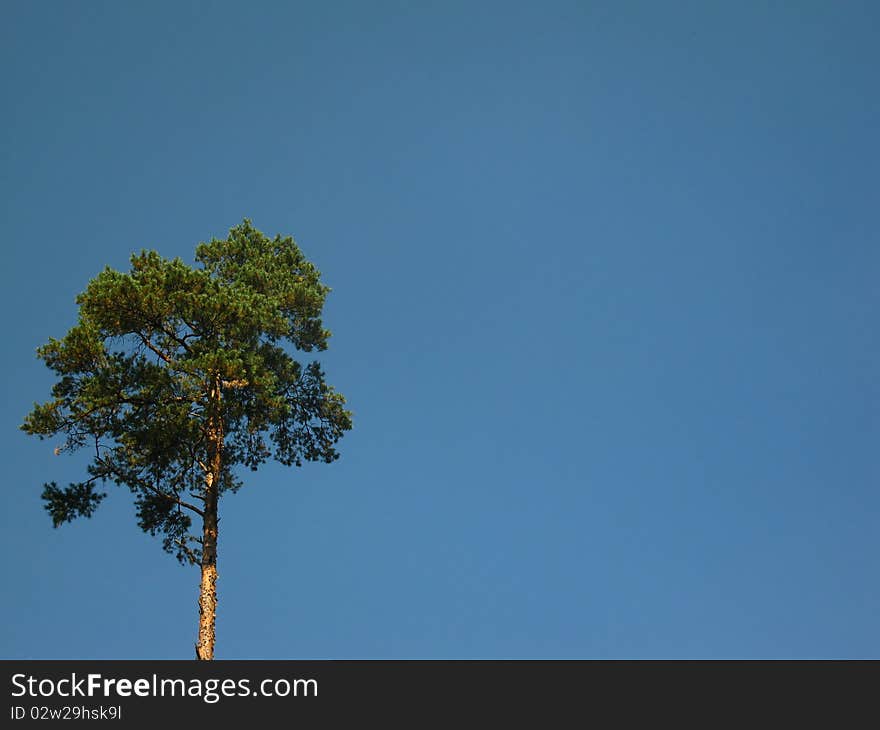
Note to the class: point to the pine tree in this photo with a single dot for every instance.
(174, 375)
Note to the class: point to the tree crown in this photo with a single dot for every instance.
(167, 358)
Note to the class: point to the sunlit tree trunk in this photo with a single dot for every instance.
(208, 586)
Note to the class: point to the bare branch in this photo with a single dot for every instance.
(155, 349)
(173, 335)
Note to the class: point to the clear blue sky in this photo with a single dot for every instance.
(605, 307)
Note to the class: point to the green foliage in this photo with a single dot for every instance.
(64, 505)
(139, 376)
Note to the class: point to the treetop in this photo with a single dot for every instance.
(164, 355)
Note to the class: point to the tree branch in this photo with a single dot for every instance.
(173, 336)
(146, 485)
(191, 556)
(148, 343)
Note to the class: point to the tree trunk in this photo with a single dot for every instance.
(208, 586)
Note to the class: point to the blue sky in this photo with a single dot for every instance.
(604, 306)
